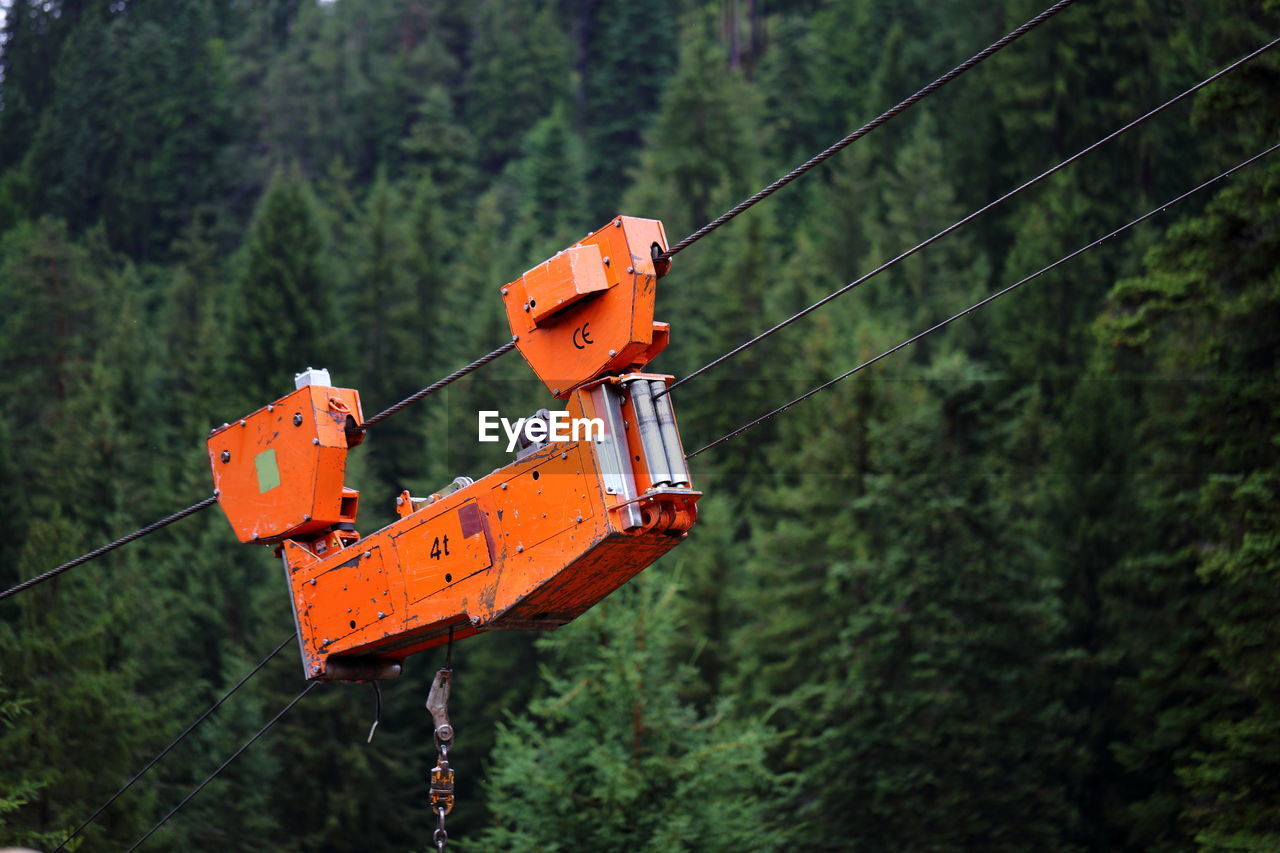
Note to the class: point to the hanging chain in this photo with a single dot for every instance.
(442, 774)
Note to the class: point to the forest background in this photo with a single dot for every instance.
(1013, 589)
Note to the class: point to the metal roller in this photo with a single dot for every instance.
(650, 432)
(670, 435)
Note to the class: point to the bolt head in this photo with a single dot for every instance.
(306, 517)
(617, 223)
(579, 519)
(315, 441)
(504, 487)
(519, 549)
(475, 620)
(631, 269)
(297, 419)
(606, 262)
(381, 615)
(313, 583)
(271, 407)
(612, 353)
(242, 422)
(226, 456)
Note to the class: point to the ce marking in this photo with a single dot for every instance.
(582, 334)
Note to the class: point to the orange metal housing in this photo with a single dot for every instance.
(529, 547)
(279, 472)
(589, 310)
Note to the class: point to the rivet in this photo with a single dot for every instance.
(617, 223)
(504, 487)
(504, 291)
(631, 269)
(612, 353)
(226, 456)
(271, 407)
(555, 391)
(297, 419)
(381, 615)
(306, 518)
(519, 549)
(315, 441)
(368, 554)
(242, 422)
(256, 537)
(579, 519)
(606, 262)
(313, 583)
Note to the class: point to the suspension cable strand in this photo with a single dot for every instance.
(177, 740)
(224, 765)
(438, 384)
(991, 298)
(902, 106)
(972, 216)
(111, 546)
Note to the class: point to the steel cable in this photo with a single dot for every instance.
(438, 384)
(975, 214)
(977, 305)
(111, 546)
(177, 740)
(888, 114)
(224, 765)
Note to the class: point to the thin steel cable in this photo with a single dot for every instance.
(177, 740)
(111, 546)
(974, 215)
(189, 797)
(991, 298)
(902, 106)
(438, 384)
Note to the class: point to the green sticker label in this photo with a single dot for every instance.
(268, 470)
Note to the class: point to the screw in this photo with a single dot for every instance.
(226, 456)
(297, 419)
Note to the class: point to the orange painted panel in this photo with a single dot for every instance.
(607, 331)
(279, 472)
(442, 550)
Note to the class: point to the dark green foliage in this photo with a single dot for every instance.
(1014, 589)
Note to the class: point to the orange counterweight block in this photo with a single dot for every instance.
(588, 311)
(529, 547)
(279, 472)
